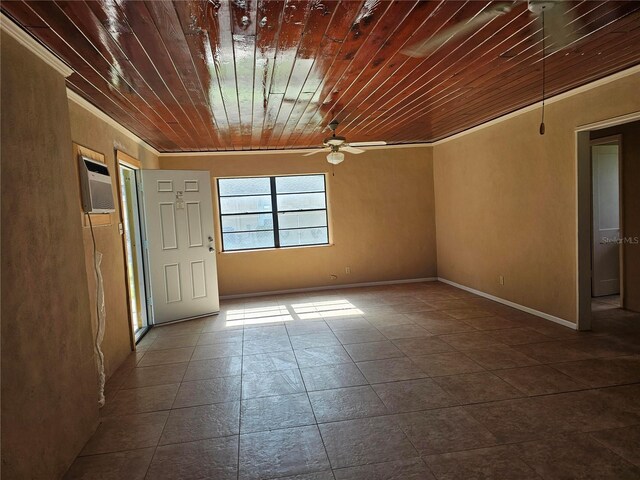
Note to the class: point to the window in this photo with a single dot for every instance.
(273, 212)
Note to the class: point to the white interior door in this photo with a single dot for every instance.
(606, 221)
(181, 251)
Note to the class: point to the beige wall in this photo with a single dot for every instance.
(92, 132)
(381, 213)
(630, 184)
(49, 381)
(506, 201)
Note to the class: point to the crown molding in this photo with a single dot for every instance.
(23, 38)
(80, 101)
(635, 70)
(227, 153)
(610, 122)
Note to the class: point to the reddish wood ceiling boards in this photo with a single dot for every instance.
(247, 74)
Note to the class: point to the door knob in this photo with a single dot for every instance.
(210, 238)
(211, 249)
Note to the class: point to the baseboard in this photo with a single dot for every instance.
(537, 313)
(328, 287)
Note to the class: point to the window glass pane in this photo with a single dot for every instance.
(239, 223)
(302, 219)
(244, 186)
(302, 201)
(307, 236)
(245, 204)
(243, 241)
(299, 184)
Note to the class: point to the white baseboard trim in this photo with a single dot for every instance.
(328, 287)
(537, 313)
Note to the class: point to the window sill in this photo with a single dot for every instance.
(281, 249)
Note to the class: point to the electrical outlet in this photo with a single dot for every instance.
(501, 279)
(347, 270)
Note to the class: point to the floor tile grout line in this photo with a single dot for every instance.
(568, 432)
(167, 419)
(584, 386)
(304, 384)
(458, 405)
(240, 403)
(609, 448)
(169, 411)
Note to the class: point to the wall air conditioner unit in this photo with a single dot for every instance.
(95, 182)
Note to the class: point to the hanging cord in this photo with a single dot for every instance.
(543, 74)
(97, 259)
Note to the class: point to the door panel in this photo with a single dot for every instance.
(182, 260)
(194, 224)
(606, 220)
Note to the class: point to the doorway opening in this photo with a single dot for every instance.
(608, 223)
(128, 174)
(606, 252)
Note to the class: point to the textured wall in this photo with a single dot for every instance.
(630, 208)
(91, 132)
(506, 200)
(381, 219)
(49, 380)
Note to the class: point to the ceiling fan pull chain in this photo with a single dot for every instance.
(543, 74)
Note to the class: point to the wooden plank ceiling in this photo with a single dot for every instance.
(246, 74)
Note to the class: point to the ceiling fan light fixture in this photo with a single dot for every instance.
(335, 158)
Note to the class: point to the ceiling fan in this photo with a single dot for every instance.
(558, 18)
(335, 146)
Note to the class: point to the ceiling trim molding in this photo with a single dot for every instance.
(610, 122)
(91, 108)
(556, 98)
(226, 153)
(23, 38)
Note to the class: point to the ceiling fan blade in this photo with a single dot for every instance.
(349, 149)
(367, 144)
(313, 152)
(421, 49)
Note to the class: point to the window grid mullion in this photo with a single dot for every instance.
(274, 212)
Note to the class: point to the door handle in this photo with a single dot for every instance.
(211, 249)
(210, 238)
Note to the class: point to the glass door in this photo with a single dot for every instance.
(133, 249)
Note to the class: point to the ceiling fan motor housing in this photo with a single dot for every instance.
(539, 6)
(335, 141)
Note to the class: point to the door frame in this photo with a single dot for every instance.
(610, 140)
(584, 223)
(127, 160)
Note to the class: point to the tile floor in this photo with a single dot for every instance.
(415, 381)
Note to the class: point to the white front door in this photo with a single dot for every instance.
(606, 220)
(181, 252)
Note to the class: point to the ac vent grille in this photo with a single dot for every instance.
(101, 195)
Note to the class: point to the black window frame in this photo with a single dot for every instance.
(274, 212)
